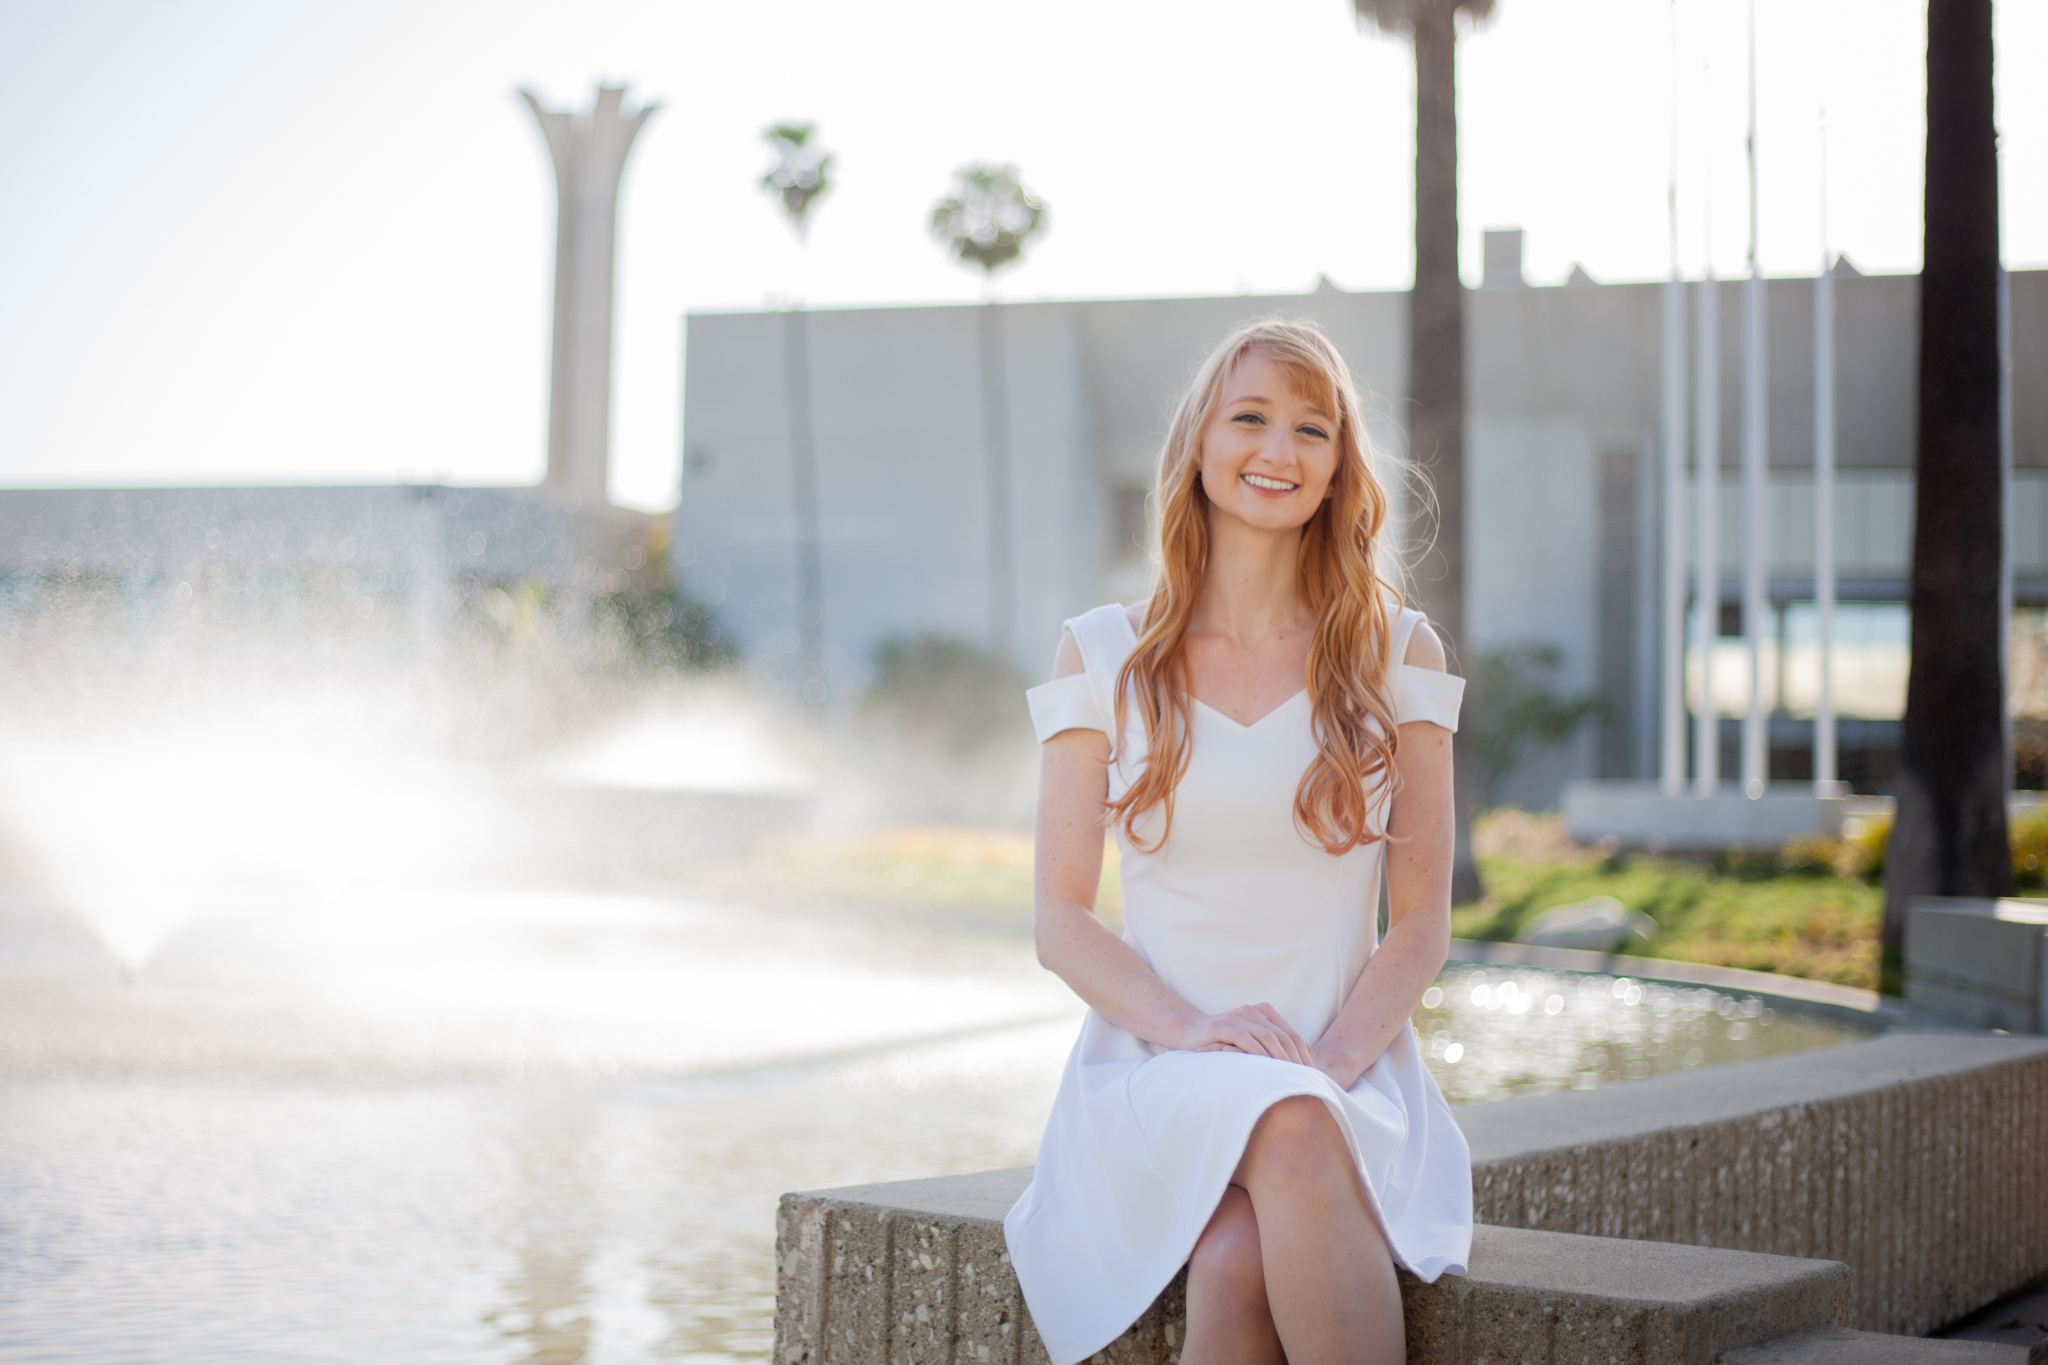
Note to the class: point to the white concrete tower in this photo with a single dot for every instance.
(589, 151)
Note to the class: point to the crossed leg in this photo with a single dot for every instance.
(1293, 1269)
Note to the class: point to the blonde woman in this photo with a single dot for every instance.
(1266, 735)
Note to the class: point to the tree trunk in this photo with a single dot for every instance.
(995, 419)
(1436, 381)
(803, 487)
(1950, 834)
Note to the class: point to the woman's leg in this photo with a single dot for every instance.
(1228, 1321)
(1329, 1279)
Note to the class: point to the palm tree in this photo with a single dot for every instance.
(1950, 835)
(987, 221)
(1436, 349)
(801, 175)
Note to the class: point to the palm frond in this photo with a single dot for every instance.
(989, 218)
(801, 175)
(1399, 16)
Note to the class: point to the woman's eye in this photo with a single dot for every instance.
(1249, 417)
(1316, 432)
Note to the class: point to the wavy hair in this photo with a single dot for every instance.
(1347, 673)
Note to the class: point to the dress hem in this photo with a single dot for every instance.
(1210, 1201)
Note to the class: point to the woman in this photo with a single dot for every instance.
(1246, 1097)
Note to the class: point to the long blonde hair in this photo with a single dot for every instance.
(1347, 674)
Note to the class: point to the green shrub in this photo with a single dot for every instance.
(950, 693)
(2029, 837)
(1864, 839)
(1811, 855)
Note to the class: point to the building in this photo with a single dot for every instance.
(912, 531)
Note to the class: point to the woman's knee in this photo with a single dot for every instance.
(1296, 1138)
(1228, 1254)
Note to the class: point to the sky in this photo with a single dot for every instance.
(257, 243)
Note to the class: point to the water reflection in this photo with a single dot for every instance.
(552, 1128)
(1492, 1033)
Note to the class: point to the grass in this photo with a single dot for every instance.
(921, 867)
(1809, 911)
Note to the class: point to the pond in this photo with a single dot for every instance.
(487, 1126)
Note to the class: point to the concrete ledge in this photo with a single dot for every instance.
(1915, 1159)
(918, 1272)
(1640, 815)
(1979, 963)
(1840, 1346)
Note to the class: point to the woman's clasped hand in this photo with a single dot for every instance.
(1257, 1029)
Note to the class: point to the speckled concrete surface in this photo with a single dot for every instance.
(1841, 1346)
(1915, 1159)
(917, 1274)
(1747, 1196)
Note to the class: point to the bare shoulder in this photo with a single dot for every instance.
(1425, 650)
(1066, 661)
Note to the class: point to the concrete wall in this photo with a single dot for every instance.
(902, 460)
(405, 532)
(1914, 1159)
(1979, 963)
(1564, 395)
(916, 1271)
(1913, 1162)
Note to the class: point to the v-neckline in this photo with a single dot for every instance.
(1240, 725)
(1124, 615)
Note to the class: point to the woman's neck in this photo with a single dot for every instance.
(1250, 588)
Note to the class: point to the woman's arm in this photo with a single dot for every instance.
(1421, 827)
(1073, 786)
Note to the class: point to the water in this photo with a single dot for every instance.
(551, 1128)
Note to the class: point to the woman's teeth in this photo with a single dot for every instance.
(1261, 481)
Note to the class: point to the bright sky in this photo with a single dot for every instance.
(253, 242)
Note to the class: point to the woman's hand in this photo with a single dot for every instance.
(1256, 1029)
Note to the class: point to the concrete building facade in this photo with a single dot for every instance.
(1564, 516)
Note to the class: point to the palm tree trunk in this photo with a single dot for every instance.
(803, 488)
(1950, 835)
(1436, 381)
(995, 417)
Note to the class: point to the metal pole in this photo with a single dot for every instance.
(1671, 768)
(1825, 761)
(1706, 759)
(1825, 764)
(1755, 461)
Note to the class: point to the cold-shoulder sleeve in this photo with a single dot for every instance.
(1065, 704)
(1086, 700)
(1421, 693)
(1427, 694)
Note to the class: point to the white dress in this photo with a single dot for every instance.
(1236, 907)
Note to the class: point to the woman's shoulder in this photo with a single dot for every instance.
(1109, 627)
(1424, 648)
(1097, 640)
(1108, 614)
(1410, 640)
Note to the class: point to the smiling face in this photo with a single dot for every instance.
(1269, 451)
